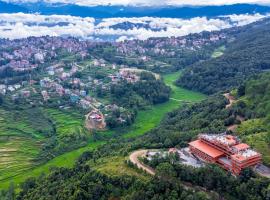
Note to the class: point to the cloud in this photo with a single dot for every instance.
(149, 2)
(20, 25)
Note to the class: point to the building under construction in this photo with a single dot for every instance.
(225, 150)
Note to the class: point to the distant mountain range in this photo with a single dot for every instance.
(122, 11)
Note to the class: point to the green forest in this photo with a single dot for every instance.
(245, 56)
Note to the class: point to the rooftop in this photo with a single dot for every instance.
(241, 147)
(227, 140)
(207, 149)
(245, 155)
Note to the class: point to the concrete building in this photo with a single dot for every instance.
(225, 150)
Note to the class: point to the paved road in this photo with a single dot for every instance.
(141, 153)
(134, 159)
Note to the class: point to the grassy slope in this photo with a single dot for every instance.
(65, 160)
(256, 131)
(21, 141)
(253, 132)
(116, 166)
(146, 120)
(218, 52)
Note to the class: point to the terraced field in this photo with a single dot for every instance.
(18, 155)
(66, 123)
(19, 144)
(23, 133)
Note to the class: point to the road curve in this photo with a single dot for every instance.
(134, 158)
(142, 153)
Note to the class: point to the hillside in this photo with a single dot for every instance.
(254, 104)
(247, 54)
(176, 129)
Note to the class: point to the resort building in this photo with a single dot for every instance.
(225, 150)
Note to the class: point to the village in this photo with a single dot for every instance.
(62, 86)
(31, 69)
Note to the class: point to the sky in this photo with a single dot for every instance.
(21, 25)
(150, 2)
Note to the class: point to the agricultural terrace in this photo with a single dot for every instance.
(145, 121)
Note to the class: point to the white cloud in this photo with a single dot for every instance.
(149, 2)
(22, 25)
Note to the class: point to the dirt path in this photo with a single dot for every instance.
(230, 98)
(134, 159)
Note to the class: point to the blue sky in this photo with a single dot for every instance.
(149, 2)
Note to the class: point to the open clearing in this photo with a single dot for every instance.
(218, 52)
(145, 121)
(116, 165)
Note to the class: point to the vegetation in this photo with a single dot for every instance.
(246, 186)
(82, 182)
(254, 105)
(99, 170)
(144, 122)
(218, 52)
(247, 55)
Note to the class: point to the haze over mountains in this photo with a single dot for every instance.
(120, 20)
(103, 11)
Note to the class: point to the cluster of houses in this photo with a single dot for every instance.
(125, 74)
(159, 46)
(58, 70)
(4, 89)
(26, 54)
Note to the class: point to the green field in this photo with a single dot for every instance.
(20, 143)
(22, 136)
(145, 121)
(65, 160)
(116, 165)
(218, 52)
(148, 119)
(66, 123)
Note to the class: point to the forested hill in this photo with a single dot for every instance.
(178, 128)
(246, 55)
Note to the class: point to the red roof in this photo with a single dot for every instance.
(207, 149)
(241, 146)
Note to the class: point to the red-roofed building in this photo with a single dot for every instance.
(205, 151)
(226, 151)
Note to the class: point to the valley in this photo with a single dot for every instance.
(145, 121)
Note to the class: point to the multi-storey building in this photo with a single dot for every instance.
(225, 150)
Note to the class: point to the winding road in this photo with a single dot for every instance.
(134, 158)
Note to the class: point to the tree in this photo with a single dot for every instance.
(165, 170)
(11, 192)
(241, 90)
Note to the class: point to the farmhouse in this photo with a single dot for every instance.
(95, 120)
(225, 150)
